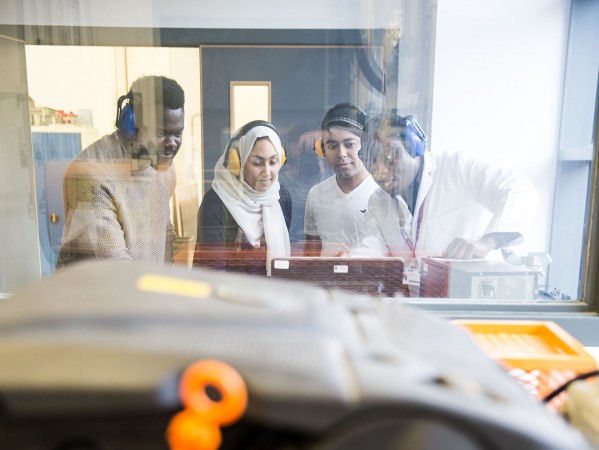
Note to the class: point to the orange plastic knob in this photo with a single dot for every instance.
(218, 375)
(188, 431)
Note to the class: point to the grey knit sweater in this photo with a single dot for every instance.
(113, 210)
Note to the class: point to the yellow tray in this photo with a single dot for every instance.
(539, 354)
(529, 344)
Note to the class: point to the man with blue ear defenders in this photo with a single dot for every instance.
(336, 207)
(117, 191)
(153, 135)
(451, 205)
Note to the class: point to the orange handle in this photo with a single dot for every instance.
(187, 431)
(197, 426)
(202, 375)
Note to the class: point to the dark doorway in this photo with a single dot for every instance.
(305, 82)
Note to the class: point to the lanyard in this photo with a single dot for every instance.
(405, 234)
(408, 240)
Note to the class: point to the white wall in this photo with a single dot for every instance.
(19, 248)
(74, 78)
(498, 87)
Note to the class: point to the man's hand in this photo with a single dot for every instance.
(462, 248)
(312, 245)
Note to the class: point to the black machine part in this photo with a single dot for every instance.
(96, 352)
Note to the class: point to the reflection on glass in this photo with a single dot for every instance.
(496, 106)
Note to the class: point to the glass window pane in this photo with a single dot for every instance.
(478, 127)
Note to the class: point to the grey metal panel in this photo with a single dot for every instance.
(19, 247)
(573, 189)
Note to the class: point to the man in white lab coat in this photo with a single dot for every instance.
(450, 205)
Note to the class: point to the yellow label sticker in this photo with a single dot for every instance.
(174, 286)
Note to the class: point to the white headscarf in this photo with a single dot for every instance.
(256, 213)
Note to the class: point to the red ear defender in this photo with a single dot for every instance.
(232, 155)
(233, 162)
(319, 148)
(283, 156)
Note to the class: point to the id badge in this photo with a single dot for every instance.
(411, 276)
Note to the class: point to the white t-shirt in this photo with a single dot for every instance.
(336, 217)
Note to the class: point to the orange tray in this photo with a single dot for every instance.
(540, 354)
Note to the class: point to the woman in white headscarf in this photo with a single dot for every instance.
(243, 221)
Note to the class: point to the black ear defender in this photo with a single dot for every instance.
(412, 135)
(232, 156)
(344, 115)
(125, 116)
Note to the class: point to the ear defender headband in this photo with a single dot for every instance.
(412, 135)
(125, 116)
(343, 115)
(232, 155)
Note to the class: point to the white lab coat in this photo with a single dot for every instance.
(459, 196)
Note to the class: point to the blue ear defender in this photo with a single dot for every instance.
(125, 117)
(413, 136)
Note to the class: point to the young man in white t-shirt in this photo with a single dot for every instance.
(337, 206)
